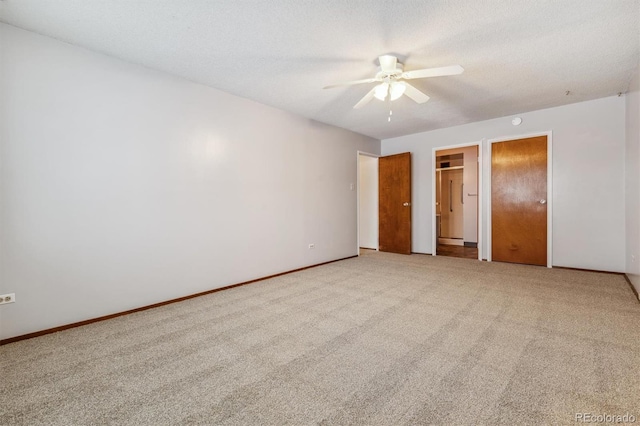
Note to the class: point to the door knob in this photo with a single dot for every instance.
(543, 201)
(406, 204)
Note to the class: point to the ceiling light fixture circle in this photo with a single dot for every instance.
(381, 91)
(397, 89)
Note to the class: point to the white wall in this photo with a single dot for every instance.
(588, 177)
(632, 170)
(122, 186)
(368, 210)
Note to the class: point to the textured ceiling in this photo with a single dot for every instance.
(518, 55)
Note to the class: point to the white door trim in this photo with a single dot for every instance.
(358, 154)
(434, 238)
(549, 198)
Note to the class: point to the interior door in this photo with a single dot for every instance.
(519, 201)
(451, 213)
(394, 189)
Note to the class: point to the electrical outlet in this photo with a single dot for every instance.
(312, 246)
(7, 298)
(633, 258)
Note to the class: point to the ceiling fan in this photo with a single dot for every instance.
(392, 85)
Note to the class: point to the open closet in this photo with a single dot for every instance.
(456, 206)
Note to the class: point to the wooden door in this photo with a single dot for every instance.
(394, 189)
(518, 201)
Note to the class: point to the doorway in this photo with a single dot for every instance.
(384, 203)
(456, 201)
(367, 201)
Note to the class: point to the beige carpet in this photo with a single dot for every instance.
(378, 340)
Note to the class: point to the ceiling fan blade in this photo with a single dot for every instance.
(366, 99)
(415, 94)
(350, 83)
(388, 63)
(433, 72)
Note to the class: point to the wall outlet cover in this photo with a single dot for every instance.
(7, 298)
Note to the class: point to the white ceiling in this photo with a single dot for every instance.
(518, 55)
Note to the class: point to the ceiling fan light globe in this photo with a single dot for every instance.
(397, 89)
(381, 91)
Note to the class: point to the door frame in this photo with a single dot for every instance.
(358, 154)
(434, 237)
(490, 142)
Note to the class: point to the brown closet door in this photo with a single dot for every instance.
(519, 201)
(394, 180)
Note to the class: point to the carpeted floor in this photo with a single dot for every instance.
(381, 339)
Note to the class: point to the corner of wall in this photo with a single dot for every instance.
(632, 182)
